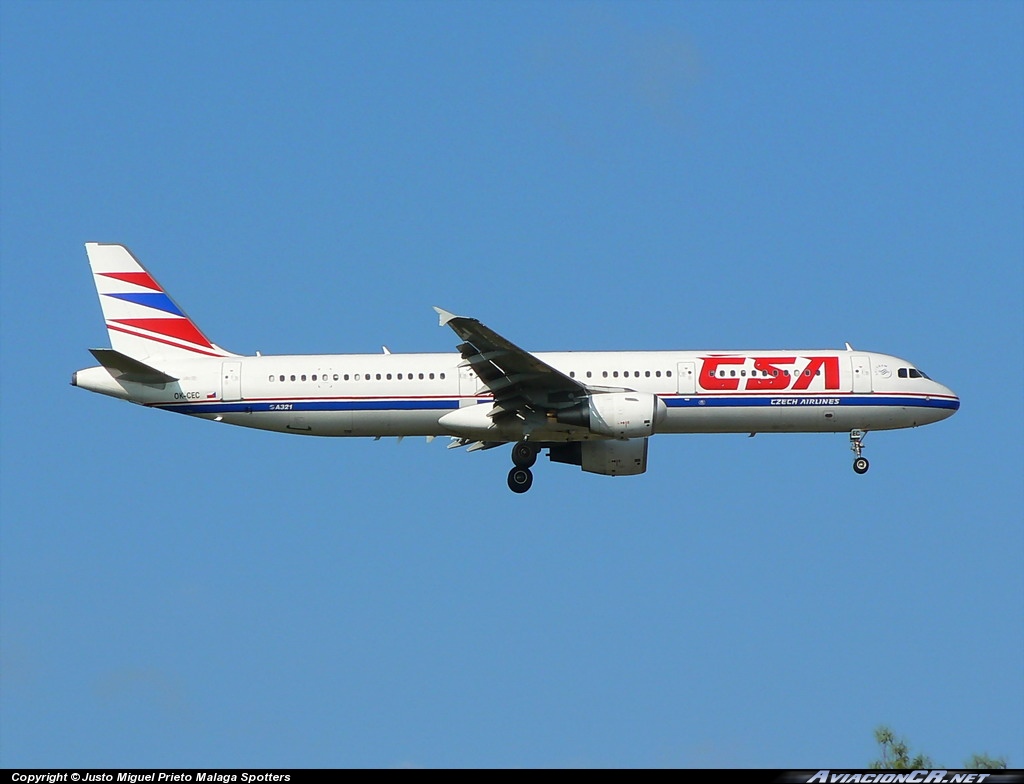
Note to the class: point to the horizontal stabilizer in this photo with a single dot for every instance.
(124, 368)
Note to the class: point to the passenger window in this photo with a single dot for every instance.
(271, 378)
(647, 374)
(346, 376)
(657, 373)
(293, 378)
(572, 374)
(442, 376)
(378, 376)
(280, 378)
(421, 376)
(431, 376)
(604, 374)
(589, 374)
(389, 376)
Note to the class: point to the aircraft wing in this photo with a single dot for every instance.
(519, 381)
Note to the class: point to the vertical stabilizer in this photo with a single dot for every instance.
(142, 320)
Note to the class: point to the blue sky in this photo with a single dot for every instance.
(313, 177)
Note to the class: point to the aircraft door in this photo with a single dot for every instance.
(687, 379)
(231, 381)
(861, 372)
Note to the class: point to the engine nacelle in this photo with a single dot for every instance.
(617, 414)
(474, 422)
(611, 458)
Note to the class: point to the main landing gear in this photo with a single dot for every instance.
(860, 464)
(520, 478)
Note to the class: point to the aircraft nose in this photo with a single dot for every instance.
(951, 399)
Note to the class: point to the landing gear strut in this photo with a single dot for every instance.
(860, 464)
(520, 478)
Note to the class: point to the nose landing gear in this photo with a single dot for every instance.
(520, 478)
(860, 464)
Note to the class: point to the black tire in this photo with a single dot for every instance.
(524, 455)
(860, 465)
(520, 480)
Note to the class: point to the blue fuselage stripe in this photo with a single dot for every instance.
(245, 407)
(449, 404)
(720, 401)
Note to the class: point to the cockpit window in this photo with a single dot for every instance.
(911, 373)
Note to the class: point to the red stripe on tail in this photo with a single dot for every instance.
(143, 279)
(182, 329)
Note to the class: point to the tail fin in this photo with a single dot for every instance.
(142, 320)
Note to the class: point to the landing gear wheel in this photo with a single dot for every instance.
(524, 455)
(860, 464)
(520, 480)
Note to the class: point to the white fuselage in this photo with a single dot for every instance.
(596, 410)
(409, 394)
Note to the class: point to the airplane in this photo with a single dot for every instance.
(592, 409)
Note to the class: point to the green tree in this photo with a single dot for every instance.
(895, 755)
(985, 762)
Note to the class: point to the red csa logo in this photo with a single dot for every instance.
(768, 373)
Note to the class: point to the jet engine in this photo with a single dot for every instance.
(619, 415)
